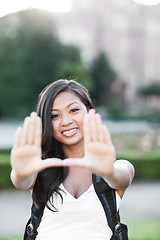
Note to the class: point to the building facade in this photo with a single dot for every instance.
(127, 32)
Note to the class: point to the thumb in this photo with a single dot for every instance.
(50, 162)
(56, 162)
(74, 162)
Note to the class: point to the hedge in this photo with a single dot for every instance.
(5, 170)
(147, 165)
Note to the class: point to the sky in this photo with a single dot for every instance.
(11, 6)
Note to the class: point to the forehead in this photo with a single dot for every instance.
(65, 98)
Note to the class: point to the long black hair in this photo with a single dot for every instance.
(48, 180)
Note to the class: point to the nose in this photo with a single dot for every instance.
(66, 120)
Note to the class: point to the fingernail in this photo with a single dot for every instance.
(33, 114)
(92, 110)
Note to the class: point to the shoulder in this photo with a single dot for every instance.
(131, 171)
(126, 164)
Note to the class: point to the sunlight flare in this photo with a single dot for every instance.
(147, 2)
(52, 5)
(7, 6)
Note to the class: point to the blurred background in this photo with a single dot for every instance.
(111, 47)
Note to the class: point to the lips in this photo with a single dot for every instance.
(69, 132)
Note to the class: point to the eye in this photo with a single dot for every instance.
(55, 116)
(75, 110)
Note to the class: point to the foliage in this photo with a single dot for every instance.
(5, 151)
(152, 89)
(137, 155)
(146, 164)
(115, 110)
(30, 56)
(103, 76)
(75, 71)
(5, 170)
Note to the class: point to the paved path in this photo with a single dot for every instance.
(141, 200)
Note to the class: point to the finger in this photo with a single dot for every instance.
(38, 132)
(25, 130)
(106, 135)
(56, 162)
(99, 128)
(76, 162)
(92, 125)
(50, 162)
(86, 129)
(31, 128)
(18, 138)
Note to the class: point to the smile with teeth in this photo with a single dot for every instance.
(70, 133)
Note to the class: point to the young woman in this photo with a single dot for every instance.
(55, 154)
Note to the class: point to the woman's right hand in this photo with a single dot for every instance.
(26, 151)
(26, 159)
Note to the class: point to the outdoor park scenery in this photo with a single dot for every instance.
(38, 47)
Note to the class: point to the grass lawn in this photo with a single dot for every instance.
(144, 229)
(141, 229)
(18, 237)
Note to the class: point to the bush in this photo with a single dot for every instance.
(146, 163)
(5, 181)
(5, 170)
(5, 151)
(152, 89)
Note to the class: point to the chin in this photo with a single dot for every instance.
(73, 142)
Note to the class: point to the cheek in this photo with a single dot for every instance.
(54, 128)
(81, 120)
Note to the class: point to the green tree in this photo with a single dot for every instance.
(152, 89)
(103, 76)
(77, 72)
(30, 56)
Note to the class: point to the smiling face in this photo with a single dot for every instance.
(67, 119)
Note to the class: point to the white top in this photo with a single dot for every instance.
(77, 219)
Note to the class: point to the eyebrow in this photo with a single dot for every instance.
(67, 105)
